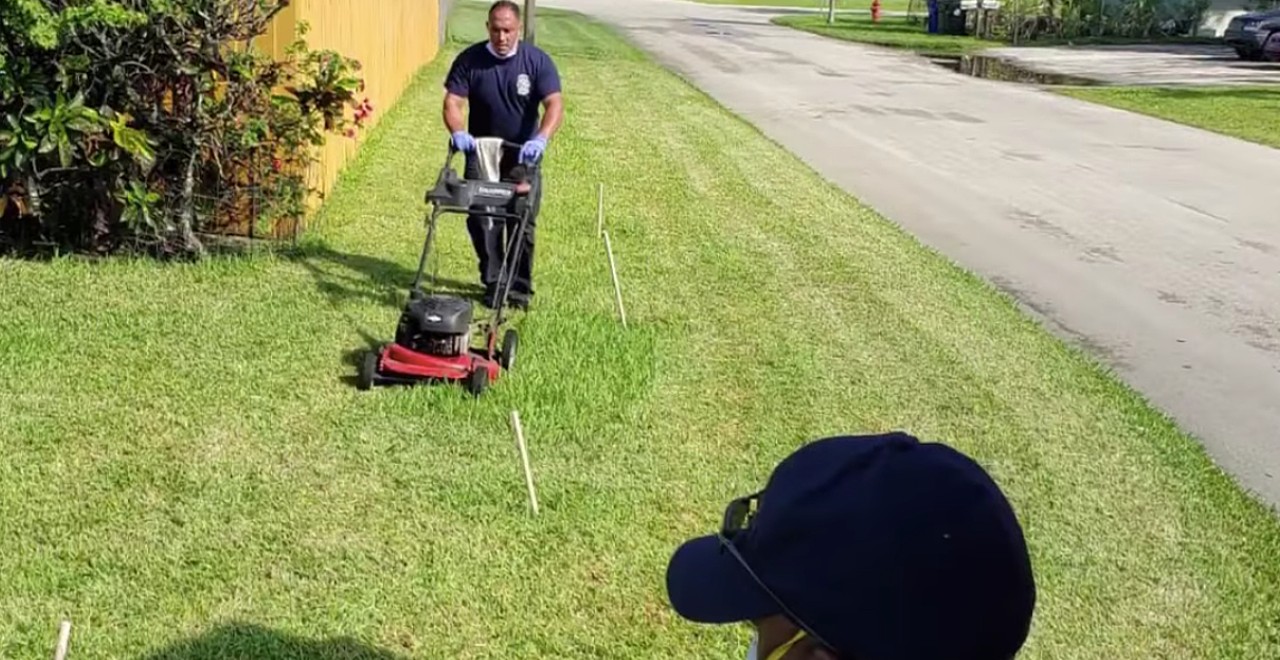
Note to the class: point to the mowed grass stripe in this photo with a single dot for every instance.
(210, 466)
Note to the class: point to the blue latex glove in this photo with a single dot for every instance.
(462, 141)
(532, 150)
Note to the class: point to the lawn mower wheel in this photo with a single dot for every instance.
(368, 369)
(478, 380)
(507, 358)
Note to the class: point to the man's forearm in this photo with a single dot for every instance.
(453, 119)
(551, 118)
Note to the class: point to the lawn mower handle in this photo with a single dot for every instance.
(506, 144)
(531, 168)
(453, 149)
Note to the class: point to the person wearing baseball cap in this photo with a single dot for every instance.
(874, 547)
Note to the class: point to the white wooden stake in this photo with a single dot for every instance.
(524, 457)
(617, 288)
(600, 211)
(64, 640)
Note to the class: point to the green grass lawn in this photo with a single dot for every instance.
(890, 31)
(189, 473)
(1250, 113)
(885, 5)
(899, 32)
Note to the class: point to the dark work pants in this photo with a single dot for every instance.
(493, 238)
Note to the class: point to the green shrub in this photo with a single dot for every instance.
(144, 124)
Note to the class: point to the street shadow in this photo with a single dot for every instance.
(245, 641)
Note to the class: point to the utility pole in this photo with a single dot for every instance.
(831, 12)
(530, 20)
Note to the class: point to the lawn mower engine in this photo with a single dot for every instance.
(435, 325)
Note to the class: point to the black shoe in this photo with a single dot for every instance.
(518, 302)
(491, 296)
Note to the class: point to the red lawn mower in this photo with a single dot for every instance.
(433, 337)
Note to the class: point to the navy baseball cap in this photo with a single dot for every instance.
(881, 546)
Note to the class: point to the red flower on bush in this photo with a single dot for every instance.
(363, 111)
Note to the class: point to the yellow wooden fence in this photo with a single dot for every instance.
(392, 39)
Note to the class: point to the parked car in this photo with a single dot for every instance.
(1246, 35)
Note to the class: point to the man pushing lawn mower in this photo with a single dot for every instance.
(499, 193)
(433, 337)
(503, 81)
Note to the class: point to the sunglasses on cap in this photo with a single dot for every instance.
(737, 519)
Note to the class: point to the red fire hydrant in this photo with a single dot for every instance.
(875, 11)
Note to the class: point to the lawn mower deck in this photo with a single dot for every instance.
(433, 341)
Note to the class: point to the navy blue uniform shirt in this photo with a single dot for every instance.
(504, 95)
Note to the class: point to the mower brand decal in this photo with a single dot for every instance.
(493, 192)
(523, 84)
(434, 318)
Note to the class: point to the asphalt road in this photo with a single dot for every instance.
(1146, 65)
(1155, 246)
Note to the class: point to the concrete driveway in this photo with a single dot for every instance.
(1153, 245)
(1145, 65)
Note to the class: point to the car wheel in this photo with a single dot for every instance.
(1271, 47)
